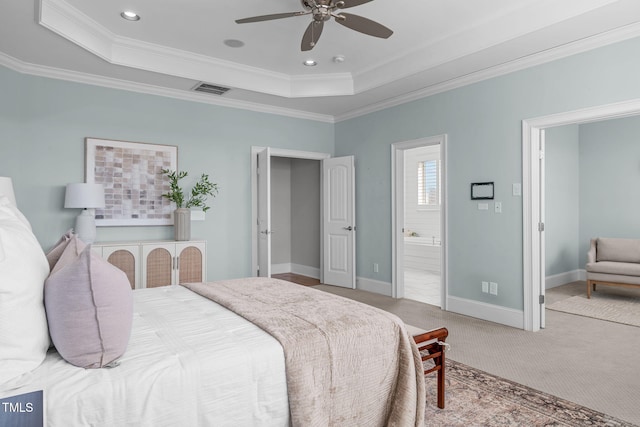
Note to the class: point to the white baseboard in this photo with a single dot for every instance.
(288, 267)
(372, 285)
(564, 278)
(479, 310)
(305, 270)
(281, 268)
(484, 311)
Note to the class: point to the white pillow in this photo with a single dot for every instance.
(24, 337)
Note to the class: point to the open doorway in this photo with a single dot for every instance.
(295, 217)
(534, 247)
(419, 231)
(334, 210)
(422, 240)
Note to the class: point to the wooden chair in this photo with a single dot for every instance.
(432, 346)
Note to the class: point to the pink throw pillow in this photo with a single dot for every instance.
(89, 307)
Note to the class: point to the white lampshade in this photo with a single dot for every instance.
(6, 189)
(84, 196)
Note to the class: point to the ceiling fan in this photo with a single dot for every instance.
(323, 10)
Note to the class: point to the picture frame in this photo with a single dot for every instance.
(131, 173)
(482, 191)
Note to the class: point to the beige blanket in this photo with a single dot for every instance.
(347, 363)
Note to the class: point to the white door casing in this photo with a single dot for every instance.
(339, 228)
(255, 232)
(397, 183)
(264, 213)
(397, 214)
(541, 229)
(533, 263)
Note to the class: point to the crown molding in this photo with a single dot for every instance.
(108, 82)
(589, 43)
(69, 23)
(593, 42)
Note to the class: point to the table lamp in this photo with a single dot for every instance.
(86, 197)
(6, 189)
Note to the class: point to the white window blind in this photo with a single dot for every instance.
(429, 183)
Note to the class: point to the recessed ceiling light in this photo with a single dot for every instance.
(130, 16)
(310, 63)
(234, 43)
(338, 59)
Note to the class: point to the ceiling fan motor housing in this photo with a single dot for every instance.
(321, 9)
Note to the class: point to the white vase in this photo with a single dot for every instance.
(182, 224)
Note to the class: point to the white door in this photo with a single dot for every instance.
(541, 229)
(264, 213)
(339, 228)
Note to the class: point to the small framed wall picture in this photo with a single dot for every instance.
(482, 191)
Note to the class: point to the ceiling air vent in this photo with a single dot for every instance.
(209, 88)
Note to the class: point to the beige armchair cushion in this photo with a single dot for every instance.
(610, 267)
(620, 250)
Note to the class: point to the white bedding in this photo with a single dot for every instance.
(190, 362)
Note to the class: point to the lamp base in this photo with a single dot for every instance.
(86, 226)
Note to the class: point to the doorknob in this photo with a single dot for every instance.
(349, 228)
(266, 232)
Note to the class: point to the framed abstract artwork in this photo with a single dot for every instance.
(131, 173)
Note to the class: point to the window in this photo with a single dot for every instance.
(429, 183)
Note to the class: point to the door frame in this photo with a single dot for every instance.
(277, 152)
(397, 212)
(533, 191)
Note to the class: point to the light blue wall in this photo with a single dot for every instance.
(562, 189)
(610, 181)
(43, 123)
(483, 123)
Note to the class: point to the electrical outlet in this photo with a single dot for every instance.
(485, 287)
(375, 267)
(493, 288)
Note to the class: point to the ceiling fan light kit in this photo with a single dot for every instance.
(323, 10)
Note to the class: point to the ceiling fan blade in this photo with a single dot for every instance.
(350, 3)
(363, 25)
(311, 35)
(270, 17)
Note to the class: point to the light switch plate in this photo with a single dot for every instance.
(517, 189)
(498, 207)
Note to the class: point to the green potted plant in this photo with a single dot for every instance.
(197, 198)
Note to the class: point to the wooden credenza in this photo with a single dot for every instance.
(150, 264)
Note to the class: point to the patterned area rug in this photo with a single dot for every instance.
(476, 398)
(609, 304)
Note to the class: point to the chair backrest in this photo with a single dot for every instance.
(620, 250)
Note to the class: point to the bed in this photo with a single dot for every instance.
(244, 352)
(191, 362)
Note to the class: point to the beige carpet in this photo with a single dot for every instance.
(605, 304)
(584, 360)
